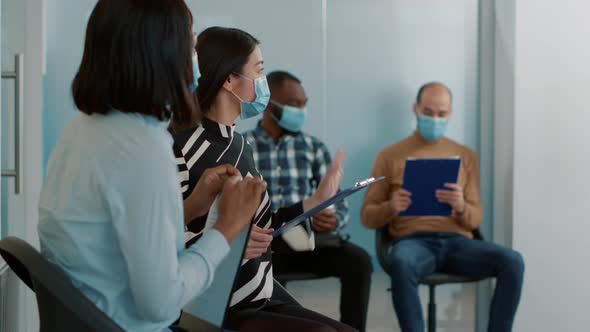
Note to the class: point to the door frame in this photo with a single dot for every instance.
(31, 149)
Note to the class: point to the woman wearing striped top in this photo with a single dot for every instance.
(233, 85)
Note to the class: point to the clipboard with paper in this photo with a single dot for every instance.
(422, 178)
(335, 199)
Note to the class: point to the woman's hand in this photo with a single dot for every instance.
(209, 186)
(237, 205)
(258, 243)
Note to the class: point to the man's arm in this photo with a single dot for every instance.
(472, 214)
(322, 163)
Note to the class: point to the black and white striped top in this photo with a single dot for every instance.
(212, 144)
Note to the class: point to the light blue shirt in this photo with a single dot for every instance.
(111, 217)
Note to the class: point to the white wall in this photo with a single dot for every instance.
(503, 117)
(65, 30)
(551, 158)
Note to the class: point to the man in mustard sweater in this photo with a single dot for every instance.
(423, 245)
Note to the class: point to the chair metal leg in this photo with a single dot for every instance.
(431, 309)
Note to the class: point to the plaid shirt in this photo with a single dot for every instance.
(293, 168)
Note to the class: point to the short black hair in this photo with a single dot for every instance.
(221, 51)
(137, 59)
(278, 77)
(427, 85)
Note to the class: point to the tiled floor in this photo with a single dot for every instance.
(456, 303)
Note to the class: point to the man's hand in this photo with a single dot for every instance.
(258, 242)
(204, 193)
(400, 201)
(454, 197)
(325, 221)
(328, 187)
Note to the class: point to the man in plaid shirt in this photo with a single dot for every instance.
(293, 163)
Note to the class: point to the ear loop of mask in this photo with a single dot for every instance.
(276, 105)
(242, 76)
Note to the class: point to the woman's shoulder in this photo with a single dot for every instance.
(182, 136)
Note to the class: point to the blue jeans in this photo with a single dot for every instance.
(414, 257)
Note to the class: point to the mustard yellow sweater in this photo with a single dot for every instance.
(390, 162)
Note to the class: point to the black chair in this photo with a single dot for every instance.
(62, 307)
(383, 238)
(286, 277)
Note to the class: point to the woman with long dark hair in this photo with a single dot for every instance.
(111, 212)
(233, 85)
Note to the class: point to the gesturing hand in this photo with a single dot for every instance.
(328, 187)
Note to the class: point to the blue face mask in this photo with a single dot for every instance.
(432, 128)
(196, 74)
(292, 118)
(256, 107)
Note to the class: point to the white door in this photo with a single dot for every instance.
(21, 150)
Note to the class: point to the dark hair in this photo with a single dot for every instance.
(221, 51)
(137, 59)
(277, 78)
(427, 85)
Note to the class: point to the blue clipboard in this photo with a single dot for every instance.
(335, 199)
(422, 178)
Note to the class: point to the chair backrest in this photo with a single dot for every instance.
(383, 238)
(62, 307)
